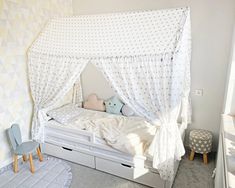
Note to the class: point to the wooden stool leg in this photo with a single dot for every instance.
(31, 163)
(205, 159)
(191, 157)
(24, 158)
(15, 167)
(39, 154)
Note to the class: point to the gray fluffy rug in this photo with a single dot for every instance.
(55, 173)
(51, 173)
(193, 174)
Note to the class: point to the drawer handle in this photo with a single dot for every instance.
(67, 149)
(129, 166)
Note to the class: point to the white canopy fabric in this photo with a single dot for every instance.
(112, 35)
(145, 56)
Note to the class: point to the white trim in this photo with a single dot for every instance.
(8, 162)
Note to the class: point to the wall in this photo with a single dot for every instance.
(229, 106)
(93, 81)
(211, 31)
(20, 23)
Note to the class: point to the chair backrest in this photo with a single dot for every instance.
(14, 135)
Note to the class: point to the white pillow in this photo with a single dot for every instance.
(65, 114)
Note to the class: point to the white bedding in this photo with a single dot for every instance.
(128, 134)
(65, 114)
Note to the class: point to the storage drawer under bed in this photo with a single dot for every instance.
(69, 154)
(140, 175)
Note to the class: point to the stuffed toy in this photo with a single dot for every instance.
(93, 103)
(113, 105)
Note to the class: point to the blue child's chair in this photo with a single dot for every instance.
(22, 148)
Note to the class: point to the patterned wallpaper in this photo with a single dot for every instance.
(20, 23)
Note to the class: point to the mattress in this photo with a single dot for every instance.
(131, 135)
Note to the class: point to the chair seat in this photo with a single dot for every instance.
(200, 141)
(26, 148)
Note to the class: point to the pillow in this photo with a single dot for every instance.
(127, 111)
(113, 105)
(65, 114)
(93, 103)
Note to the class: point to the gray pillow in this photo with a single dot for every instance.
(127, 111)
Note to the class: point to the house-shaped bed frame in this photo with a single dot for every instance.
(145, 56)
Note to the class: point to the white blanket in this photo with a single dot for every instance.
(128, 134)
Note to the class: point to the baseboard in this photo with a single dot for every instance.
(8, 161)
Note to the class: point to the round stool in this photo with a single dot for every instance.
(200, 141)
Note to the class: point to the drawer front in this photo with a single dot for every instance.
(69, 154)
(140, 175)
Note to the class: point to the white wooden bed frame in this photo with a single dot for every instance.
(84, 148)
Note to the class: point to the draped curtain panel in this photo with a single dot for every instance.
(145, 56)
(147, 85)
(77, 93)
(51, 77)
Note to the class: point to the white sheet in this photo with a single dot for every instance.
(128, 134)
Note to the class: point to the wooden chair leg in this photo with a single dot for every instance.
(205, 159)
(31, 163)
(24, 158)
(15, 167)
(39, 154)
(191, 157)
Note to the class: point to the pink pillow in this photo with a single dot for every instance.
(93, 103)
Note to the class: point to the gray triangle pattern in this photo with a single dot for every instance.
(20, 23)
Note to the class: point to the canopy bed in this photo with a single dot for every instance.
(145, 56)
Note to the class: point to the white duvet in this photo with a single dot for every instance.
(128, 134)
